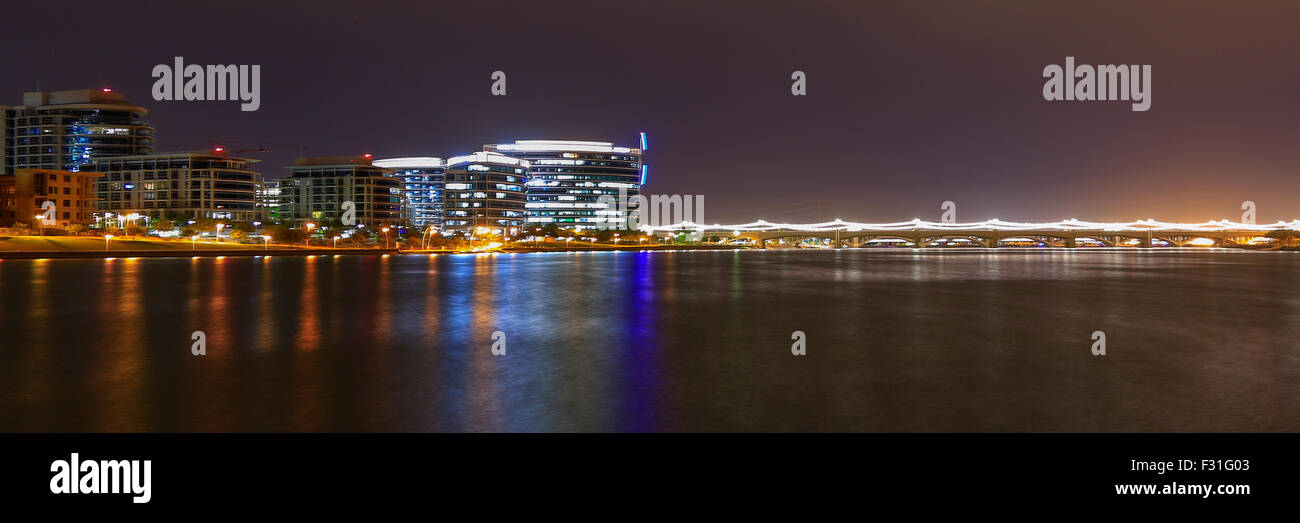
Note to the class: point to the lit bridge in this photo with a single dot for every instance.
(995, 233)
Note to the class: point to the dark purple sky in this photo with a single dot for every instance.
(909, 103)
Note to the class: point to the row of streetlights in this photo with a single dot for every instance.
(195, 238)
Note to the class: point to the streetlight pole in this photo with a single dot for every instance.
(194, 242)
(385, 229)
(107, 239)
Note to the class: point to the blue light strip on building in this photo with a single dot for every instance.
(643, 171)
(644, 146)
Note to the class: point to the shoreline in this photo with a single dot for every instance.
(318, 251)
(305, 251)
(204, 253)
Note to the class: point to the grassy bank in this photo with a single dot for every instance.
(87, 243)
(94, 247)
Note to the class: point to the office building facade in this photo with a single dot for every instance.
(61, 198)
(268, 201)
(422, 184)
(318, 187)
(178, 186)
(485, 191)
(567, 179)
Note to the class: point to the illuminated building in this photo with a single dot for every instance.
(567, 179)
(268, 201)
(422, 179)
(24, 193)
(177, 186)
(484, 189)
(317, 189)
(68, 130)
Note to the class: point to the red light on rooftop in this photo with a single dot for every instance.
(367, 155)
(108, 89)
(218, 148)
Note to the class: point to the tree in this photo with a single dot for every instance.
(133, 229)
(77, 229)
(205, 224)
(551, 230)
(283, 234)
(164, 225)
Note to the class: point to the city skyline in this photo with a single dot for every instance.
(902, 112)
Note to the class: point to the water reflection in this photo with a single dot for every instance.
(653, 342)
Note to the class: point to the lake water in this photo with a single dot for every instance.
(656, 341)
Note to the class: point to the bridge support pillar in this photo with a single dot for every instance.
(1069, 243)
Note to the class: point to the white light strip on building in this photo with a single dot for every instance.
(414, 162)
(486, 157)
(561, 145)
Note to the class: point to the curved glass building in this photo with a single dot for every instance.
(484, 189)
(67, 130)
(422, 179)
(568, 177)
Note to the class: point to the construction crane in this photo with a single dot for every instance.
(261, 148)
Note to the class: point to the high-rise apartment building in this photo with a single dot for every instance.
(68, 130)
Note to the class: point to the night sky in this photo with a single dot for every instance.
(909, 103)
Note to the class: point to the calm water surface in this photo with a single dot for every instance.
(668, 341)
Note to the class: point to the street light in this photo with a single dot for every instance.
(107, 238)
(219, 227)
(267, 238)
(385, 229)
(336, 242)
(194, 242)
(310, 226)
(40, 225)
(427, 231)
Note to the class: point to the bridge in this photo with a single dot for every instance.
(994, 233)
